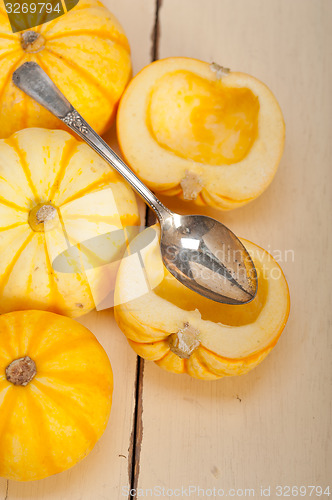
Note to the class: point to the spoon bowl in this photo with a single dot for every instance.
(208, 258)
(199, 251)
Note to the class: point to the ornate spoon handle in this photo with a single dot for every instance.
(33, 80)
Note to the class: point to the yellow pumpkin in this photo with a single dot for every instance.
(201, 132)
(86, 54)
(55, 393)
(184, 332)
(55, 193)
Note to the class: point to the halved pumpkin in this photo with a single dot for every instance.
(184, 332)
(200, 132)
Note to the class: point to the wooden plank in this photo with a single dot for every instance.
(106, 470)
(137, 18)
(271, 426)
(3, 489)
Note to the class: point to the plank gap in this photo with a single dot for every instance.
(7, 488)
(155, 36)
(137, 433)
(150, 218)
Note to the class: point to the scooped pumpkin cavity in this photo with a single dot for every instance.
(200, 132)
(203, 120)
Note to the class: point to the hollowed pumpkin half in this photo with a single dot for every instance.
(85, 52)
(56, 388)
(200, 132)
(184, 332)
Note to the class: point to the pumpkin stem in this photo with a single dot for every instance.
(184, 342)
(220, 71)
(191, 185)
(44, 213)
(32, 41)
(21, 371)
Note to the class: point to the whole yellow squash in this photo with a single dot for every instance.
(86, 54)
(55, 393)
(55, 192)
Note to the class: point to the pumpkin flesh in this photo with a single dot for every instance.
(216, 136)
(202, 120)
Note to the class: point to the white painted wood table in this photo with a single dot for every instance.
(273, 426)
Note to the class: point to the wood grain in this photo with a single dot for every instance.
(271, 426)
(106, 470)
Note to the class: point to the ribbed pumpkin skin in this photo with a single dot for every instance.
(152, 307)
(86, 54)
(38, 166)
(54, 421)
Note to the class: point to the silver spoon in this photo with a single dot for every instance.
(199, 251)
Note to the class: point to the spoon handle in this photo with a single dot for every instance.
(33, 80)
